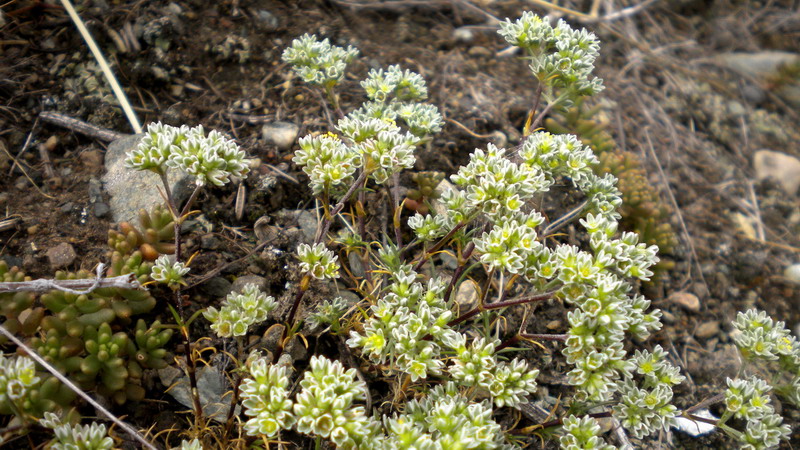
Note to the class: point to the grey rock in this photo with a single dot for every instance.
(241, 282)
(132, 190)
(209, 242)
(61, 256)
(308, 224)
(280, 134)
(101, 209)
(212, 387)
(67, 207)
(95, 190)
(759, 64)
(266, 21)
(785, 169)
(11, 260)
(217, 287)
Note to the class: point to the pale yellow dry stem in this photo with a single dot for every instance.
(101, 61)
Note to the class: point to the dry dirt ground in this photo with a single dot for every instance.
(695, 124)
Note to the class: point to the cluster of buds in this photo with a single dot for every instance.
(211, 158)
(240, 311)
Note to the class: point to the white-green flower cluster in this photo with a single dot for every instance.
(168, 272)
(444, 419)
(406, 325)
(325, 407)
(240, 311)
(318, 62)
(328, 313)
(581, 434)
(318, 261)
(762, 338)
(496, 186)
(77, 437)
(327, 161)
(749, 400)
(562, 58)
(265, 397)
(194, 444)
(17, 377)
(476, 365)
(645, 407)
(395, 94)
(211, 158)
(382, 147)
(496, 189)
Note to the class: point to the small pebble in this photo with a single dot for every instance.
(481, 52)
(67, 207)
(266, 21)
(467, 296)
(33, 229)
(60, 256)
(783, 168)
(280, 134)
(463, 34)
(92, 159)
(100, 209)
(792, 273)
(685, 300)
(553, 325)
(217, 287)
(209, 242)
(707, 330)
(241, 282)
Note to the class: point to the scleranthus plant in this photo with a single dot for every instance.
(410, 327)
(212, 159)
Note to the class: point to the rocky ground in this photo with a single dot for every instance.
(700, 91)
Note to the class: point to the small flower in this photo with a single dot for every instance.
(240, 311)
(72, 437)
(318, 62)
(210, 159)
(168, 272)
(318, 261)
(324, 407)
(265, 399)
(582, 433)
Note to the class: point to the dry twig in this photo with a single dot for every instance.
(77, 287)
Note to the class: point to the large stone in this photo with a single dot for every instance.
(131, 190)
(783, 168)
(213, 387)
(765, 67)
(758, 65)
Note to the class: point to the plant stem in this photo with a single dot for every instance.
(438, 245)
(459, 270)
(191, 369)
(326, 222)
(559, 422)
(235, 396)
(395, 193)
(504, 304)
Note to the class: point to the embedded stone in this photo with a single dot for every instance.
(685, 300)
(61, 256)
(783, 168)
